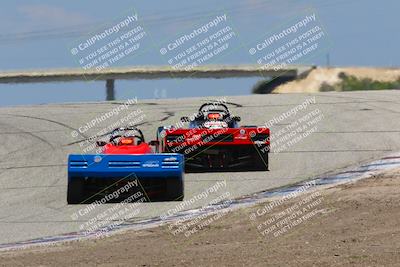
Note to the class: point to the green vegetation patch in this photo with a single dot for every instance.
(352, 83)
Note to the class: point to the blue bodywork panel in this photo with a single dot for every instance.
(104, 166)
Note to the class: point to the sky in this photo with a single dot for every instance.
(42, 34)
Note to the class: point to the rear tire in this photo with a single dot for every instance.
(175, 191)
(75, 192)
(261, 161)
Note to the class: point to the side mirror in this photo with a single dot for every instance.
(154, 143)
(185, 119)
(236, 118)
(101, 143)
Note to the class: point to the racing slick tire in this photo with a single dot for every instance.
(75, 192)
(174, 190)
(261, 161)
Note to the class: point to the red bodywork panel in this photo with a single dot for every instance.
(224, 136)
(142, 148)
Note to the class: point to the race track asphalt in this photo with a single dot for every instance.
(36, 140)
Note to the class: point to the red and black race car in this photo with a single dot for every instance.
(214, 141)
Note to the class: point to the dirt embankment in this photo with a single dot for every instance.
(312, 83)
(348, 225)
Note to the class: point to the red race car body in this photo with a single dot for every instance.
(214, 141)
